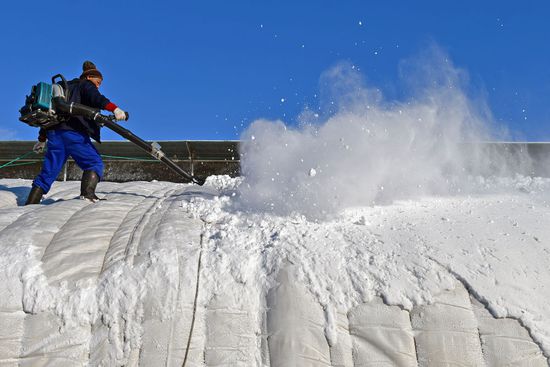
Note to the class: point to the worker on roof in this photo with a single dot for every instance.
(72, 138)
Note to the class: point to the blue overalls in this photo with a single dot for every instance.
(61, 145)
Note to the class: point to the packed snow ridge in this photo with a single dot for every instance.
(113, 283)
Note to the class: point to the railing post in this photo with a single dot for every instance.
(191, 154)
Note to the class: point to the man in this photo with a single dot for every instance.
(72, 138)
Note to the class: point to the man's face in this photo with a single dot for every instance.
(97, 81)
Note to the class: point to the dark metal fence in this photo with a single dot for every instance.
(126, 162)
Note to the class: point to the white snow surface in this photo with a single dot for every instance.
(496, 241)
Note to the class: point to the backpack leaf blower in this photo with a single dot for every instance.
(48, 105)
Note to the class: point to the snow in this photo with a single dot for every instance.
(96, 265)
(422, 145)
(378, 208)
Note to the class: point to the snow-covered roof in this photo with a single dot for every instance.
(159, 271)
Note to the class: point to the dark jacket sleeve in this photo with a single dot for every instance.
(42, 135)
(91, 96)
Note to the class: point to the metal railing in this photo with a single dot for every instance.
(124, 161)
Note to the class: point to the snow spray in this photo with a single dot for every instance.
(371, 150)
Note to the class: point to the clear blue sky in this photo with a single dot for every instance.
(206, 69)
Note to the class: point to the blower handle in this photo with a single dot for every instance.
(65, 84)
(112, 118)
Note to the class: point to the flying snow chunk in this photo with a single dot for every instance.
(312, 172)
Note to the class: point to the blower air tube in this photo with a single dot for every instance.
(74, 109)
(77, 109)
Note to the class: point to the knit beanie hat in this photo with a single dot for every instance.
(89, 69)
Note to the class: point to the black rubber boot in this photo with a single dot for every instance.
(88, 185)
(35, 195)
